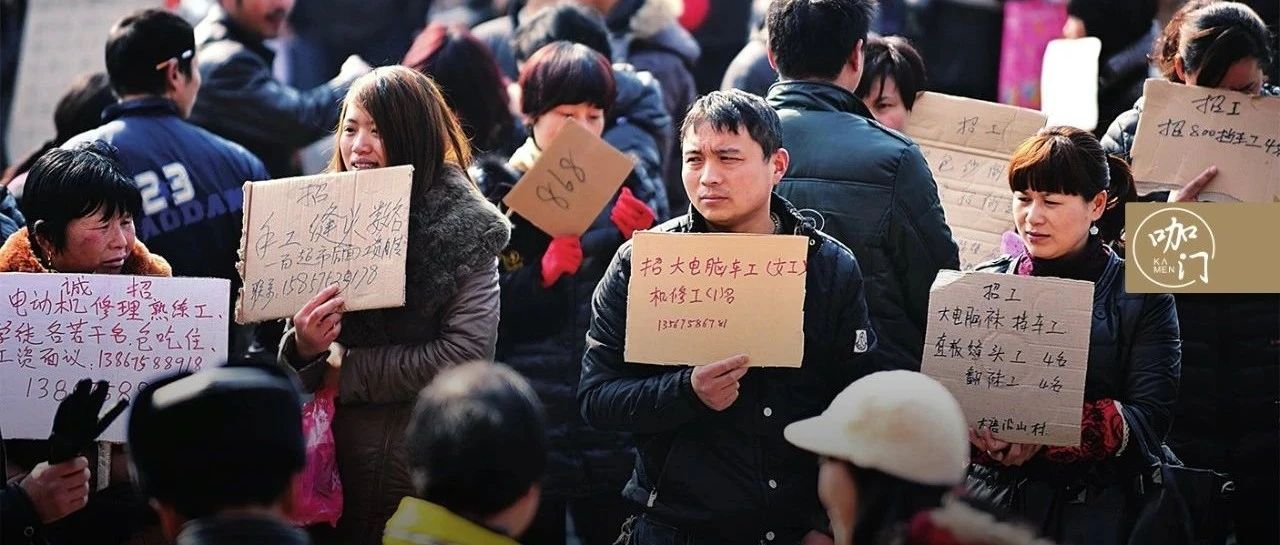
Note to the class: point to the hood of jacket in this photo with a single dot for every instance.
(655, 22)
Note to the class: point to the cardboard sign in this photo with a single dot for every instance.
(1069, 82)
(63, 40)
(696, 299)
(571, 183)
(303, 234)
(56, 329)
(1013, 350)
(967, 144)
(1185, 129)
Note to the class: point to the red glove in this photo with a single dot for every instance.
(1101, 435)
(631, 214)
(563, 256)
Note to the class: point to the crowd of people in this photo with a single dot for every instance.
(795, 128)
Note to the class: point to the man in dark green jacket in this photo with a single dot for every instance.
(864, 184)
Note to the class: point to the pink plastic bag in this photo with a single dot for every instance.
(1029, 26)
(317, 494)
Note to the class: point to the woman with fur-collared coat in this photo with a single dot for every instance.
(380, 359)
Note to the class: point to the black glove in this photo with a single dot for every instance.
(76, 424)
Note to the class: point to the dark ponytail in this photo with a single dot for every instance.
(1121, 191)
(1209, 37)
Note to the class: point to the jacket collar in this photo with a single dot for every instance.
(220, 26)
(816, 96)
(151, 105)
(240, 530)
(789, 218)
(16, 255)
(419, 521)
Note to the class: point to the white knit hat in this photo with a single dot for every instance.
(902, 423)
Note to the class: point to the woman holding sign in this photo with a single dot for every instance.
(546, 295)
(380, 359)
(1061, 181)
(79, 207)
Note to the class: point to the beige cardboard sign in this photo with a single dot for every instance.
(1014, 350)
(967, 144)
(1202, 248)
(696, 299)
(571, 183)
(1185, 129)
(56, 329)
(303, 234)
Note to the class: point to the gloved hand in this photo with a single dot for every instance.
(563, 256)
(76, 424)
(631, 214)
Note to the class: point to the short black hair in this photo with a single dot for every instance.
(567, 22)
(224, 437)
(65, 184)
(812, 39)
(733, 110)
(477, 439)
(566, 73)
(142, 40)
(892, 57)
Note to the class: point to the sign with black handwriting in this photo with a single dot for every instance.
(1014, 351)
(303, 234)
(56, 329)
(570, 183)
(1185, 129)
(696, 299)
(967, 144)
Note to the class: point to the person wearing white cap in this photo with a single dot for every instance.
(895, 449)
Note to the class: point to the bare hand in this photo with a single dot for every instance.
(318, 323)
(1192, 190)
(717, 384)
(815, 537)
(1009, 454)
(58, 490)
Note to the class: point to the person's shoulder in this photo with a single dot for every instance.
(229, 150)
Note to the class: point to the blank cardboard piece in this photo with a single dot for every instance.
(303, 234)
(967, 144)
(570, 183)
(56, 329)
(1069, 82)
(696, 299)
(1013, 350)
(1185, 129)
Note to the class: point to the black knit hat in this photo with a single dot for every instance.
(222, 437)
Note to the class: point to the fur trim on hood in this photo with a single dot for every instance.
(17, 256)
(655, 15)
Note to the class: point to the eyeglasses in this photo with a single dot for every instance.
(184, 56)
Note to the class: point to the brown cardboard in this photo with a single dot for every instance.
(977, 334)
(571, 183)
(302, 234)
(1185, 129)
(1202, 247)
(967, 144)
(746, 298)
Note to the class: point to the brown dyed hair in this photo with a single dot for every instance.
(1071, 161)
(1209, 36)
(415, 122)
(566, 73)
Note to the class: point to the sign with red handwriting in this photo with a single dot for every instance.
(570, 183)
(1014, 350)
(695, 299)
(56, 329)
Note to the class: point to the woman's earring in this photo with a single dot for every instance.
(1093, 229)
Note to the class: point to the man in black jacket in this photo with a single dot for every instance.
(712, 464)
(864, 184)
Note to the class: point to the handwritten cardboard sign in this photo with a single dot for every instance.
(967, 144)
(56, 329)
(1185, 129)
(62, 41)
(571, 183)
(303, 234)
(1014, 351)
(696, 299)
(1069, 82)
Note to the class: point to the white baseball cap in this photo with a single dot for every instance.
(902, 423)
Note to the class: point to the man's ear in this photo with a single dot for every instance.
(855, 58)
(172, 76)
(780, 161)
(773, 63)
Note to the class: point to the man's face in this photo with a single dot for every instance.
(728, 178)
(264, 18)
